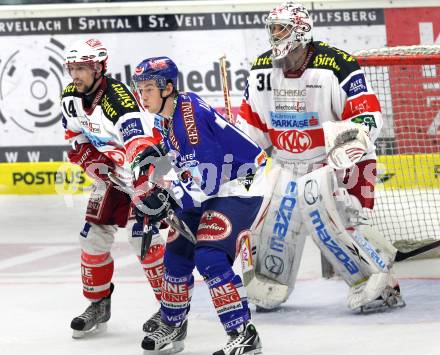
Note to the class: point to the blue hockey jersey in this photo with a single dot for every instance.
(210, 156)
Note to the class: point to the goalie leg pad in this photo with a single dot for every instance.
(323, 221)
(277, 244)
(380, 292)
(351, 253)
(352, 256)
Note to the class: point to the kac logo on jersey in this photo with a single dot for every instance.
(294, 141)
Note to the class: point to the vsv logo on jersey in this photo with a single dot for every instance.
(294, 141)
(296, 120)
(131, 128)
(355, 85)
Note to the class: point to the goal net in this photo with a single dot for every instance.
(407, 82)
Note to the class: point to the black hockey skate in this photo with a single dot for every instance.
(390, 298)
(153, 323)
(260, 309)
(244, 340)
(165, 340)
(94, 317)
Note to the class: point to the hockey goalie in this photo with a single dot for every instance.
(311, 103)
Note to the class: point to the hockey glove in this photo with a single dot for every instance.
(346, 143)
(154, 155)
(94, 163)
(157, 205)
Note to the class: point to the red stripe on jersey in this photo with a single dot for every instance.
(68, 134)
(295, 141)
(359, 105)
(252, 117)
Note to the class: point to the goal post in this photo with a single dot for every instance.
(406, 80)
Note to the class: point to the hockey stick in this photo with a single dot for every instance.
(226, 95)
(147, 236)
(401, 255)
(248, 269)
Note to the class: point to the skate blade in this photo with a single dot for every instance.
(380, 307)
(99, 328)
(175, 347)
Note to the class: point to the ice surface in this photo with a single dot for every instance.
(40, 292)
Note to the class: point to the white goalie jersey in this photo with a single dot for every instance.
(321, 114)
(287, 110)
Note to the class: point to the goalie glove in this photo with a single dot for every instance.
(345, 143)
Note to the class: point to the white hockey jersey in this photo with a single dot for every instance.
(114, 124)
(287, 110)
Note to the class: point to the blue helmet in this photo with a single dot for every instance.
(160, 69)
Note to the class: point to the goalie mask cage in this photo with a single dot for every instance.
(407, 82)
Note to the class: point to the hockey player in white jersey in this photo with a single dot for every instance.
(104, 124)
(312, 104)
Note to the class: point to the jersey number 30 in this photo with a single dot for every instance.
(263, 82)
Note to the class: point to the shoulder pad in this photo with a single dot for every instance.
(70, 90)
(264, 61)
(334, 59)
(117, 100)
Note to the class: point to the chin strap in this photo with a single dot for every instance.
(91, 99)
(95, 80)
(164, 100)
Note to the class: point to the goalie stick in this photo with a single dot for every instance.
(401, 255)
(147, 236)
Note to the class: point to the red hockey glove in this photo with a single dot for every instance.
(94, 163)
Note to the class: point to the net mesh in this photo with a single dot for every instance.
(407, 82)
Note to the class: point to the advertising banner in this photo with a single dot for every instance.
(43, 178)
(31, 59)
(32, 77)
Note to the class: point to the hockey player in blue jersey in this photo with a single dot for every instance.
(217, 193)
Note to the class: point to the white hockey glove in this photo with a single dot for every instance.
(345, 143)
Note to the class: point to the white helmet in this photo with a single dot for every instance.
(296, 28)
(87, 52)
